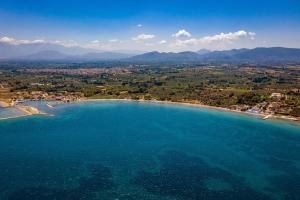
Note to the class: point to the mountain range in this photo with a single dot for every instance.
(50, 52)
(53, 52)
(86, 57)
(273, 55)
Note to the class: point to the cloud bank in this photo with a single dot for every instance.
(13, 41)
(222, 37)
(179, 41)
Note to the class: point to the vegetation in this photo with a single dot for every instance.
(273, 89)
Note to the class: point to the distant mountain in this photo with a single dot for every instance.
(9, 51)
(51, 51)
(274, 55)
(45, 55)
(269, 54)
(203, 51)
(156, 56)
(103, 56)
(51, 55)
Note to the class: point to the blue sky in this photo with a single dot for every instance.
(165, 25)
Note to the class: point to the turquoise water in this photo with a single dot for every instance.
(136, 151)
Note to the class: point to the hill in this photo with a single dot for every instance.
(274, 55)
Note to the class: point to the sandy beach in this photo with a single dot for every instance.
(5, 104)
(260, 115)
(27, 110)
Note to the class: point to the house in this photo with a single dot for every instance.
(277, 95)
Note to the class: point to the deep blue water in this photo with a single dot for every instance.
(136, 151)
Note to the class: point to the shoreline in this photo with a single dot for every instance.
(30, 110)
(27, 110)
(260, 115)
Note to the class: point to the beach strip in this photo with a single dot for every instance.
(261, 115)
(27, 110)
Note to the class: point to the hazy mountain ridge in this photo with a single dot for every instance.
(58, 56)
(53, 52)
(156, 56)
(8, 51)
(256, 55)
(41, 51)
(203, 51)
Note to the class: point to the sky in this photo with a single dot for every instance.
(147, 25)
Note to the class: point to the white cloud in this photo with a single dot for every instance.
(181, 33)
(191, 41)
(225, 37)
(162, 42)
(65, 43)
(7, 40)
(219, 38)
(13, 41)
(252, 35)
(113, 40)
(139, 25)
(95, 42)
(143, 37)
(149, 44)
(182, 41)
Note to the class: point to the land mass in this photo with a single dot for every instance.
(266, 91)
(257, 56)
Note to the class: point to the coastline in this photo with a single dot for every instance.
(260, 115)
(27, 110)
(30, 110)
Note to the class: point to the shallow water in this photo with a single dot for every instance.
(10, 112)
(127, 150)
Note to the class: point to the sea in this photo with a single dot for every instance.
(121, 150)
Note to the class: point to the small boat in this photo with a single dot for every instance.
(49, 106)
(266, 117)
